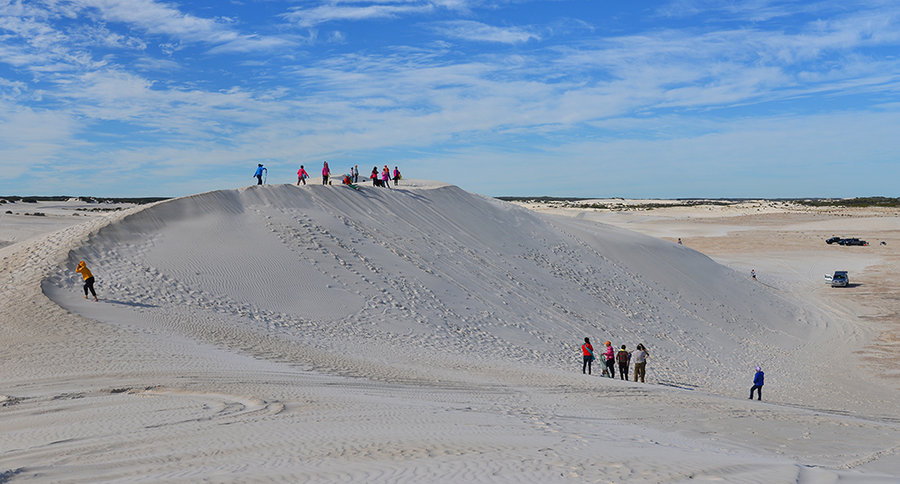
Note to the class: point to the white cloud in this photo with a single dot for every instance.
(160, 18)
(357, 10)
(329, 13)
(478, 32)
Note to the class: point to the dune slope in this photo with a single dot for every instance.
(395, 277)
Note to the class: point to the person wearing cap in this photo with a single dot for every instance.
(610, 360)
(88, 279)
(758, 380)
(259, 174)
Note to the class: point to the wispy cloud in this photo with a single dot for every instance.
(471, 30)
(357, 10)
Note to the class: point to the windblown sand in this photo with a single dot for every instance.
(427, 334)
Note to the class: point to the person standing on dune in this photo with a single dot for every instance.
(325, 172)
(386, 177)
(623, 357)
(610, 360)
(640, 362)
(375, 180)
(758, 381)
(587, 352)
(396, 175)
(88, 279)
(302, 175)
(259, 174)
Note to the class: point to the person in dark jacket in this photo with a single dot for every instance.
(623, 357)
(587, 352)
(758, 380)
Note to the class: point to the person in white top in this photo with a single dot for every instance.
(640, 362)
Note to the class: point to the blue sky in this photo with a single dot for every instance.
(592, 98)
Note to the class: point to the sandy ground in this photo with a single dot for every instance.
(784, 243)
(319, 334)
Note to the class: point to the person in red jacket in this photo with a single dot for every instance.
(587, 352)
(302, 175)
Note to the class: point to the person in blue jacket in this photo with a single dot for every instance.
(259, 174)
(758, 381)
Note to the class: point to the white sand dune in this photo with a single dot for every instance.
(425, 333)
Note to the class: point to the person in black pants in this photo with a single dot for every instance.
(758, 381)
(88, 279)
(623, 357)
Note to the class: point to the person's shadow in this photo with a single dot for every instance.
(129, 303)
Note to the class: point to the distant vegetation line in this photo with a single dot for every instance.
(63, 198)
(812, 202)
(853, 202)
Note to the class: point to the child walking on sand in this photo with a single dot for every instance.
(88, 280)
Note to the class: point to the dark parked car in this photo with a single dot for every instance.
(832, 240)
(853, 241)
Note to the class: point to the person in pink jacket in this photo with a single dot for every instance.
(325, 173)
(302, 175)
(386, 177)
(610, 354)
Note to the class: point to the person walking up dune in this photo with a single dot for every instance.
(302, 175)
(88, 279)
(640, 362)
(758, 381)
(610, 360)
(587, 352)
(623, 357)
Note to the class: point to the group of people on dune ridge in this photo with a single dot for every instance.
(381, 179)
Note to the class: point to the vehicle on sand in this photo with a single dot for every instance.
(847, 241)
(838, 279)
